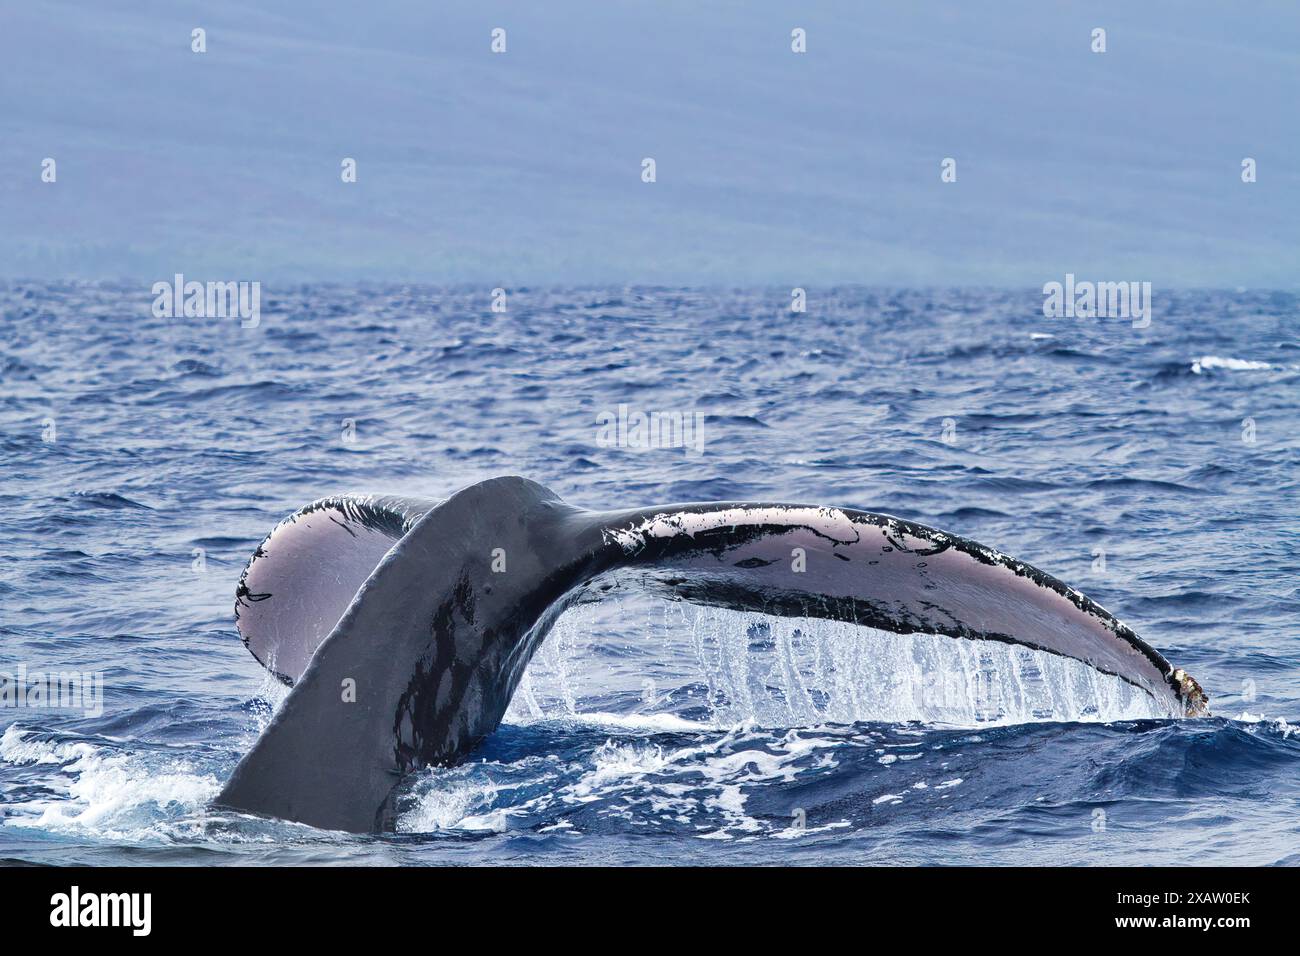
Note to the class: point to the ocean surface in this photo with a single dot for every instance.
(1156, 469)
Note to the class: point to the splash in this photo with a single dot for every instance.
(731, 667)
(1210, 362)
(94, 788)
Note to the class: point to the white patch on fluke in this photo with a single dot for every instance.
(831, 522)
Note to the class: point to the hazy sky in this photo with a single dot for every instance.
(772, 167)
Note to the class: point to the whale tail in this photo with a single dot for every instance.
(405, 625)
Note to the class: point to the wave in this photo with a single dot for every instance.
(1211, 362)
(828, 782)
(107, 499)
(697, 786)
(609, 775)
(89, 786)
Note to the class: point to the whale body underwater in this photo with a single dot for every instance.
(404, 625)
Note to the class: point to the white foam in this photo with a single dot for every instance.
(1278, 724)
(792, 833)
(636, 782)
(1230, 364)
(102, 791)
(645, 723)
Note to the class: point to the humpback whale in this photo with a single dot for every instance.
(404, 625)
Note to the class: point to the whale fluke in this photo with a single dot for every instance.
(404, 625)
(302, 578)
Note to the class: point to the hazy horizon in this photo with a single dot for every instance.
(773, 168)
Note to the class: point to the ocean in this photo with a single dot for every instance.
(1153, 468)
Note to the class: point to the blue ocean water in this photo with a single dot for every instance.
(1155, 469)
